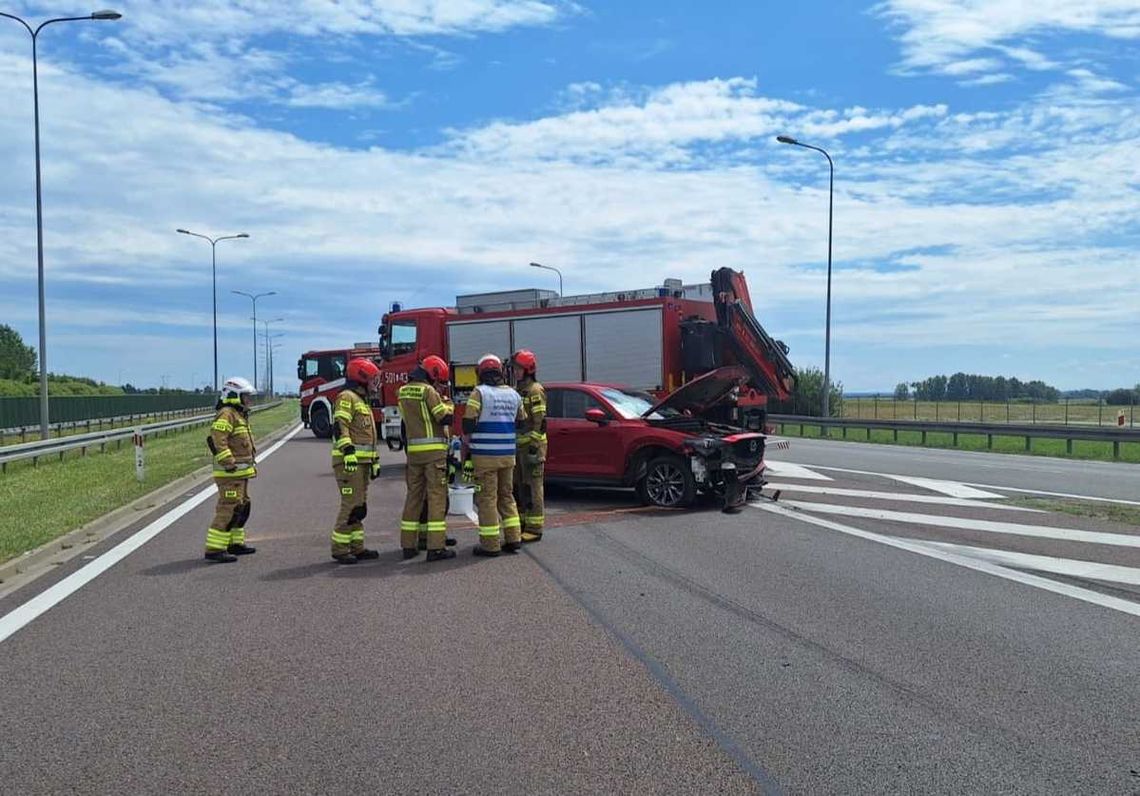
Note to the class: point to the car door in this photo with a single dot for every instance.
(579, 448)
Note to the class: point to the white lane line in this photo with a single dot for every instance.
(1086, 595)
(1076, 568)
(905, 497)
(21, 616)
(951, 488)
(789, 470)
(989, 526)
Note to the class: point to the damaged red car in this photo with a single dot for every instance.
(670, 450)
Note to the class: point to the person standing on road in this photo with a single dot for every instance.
(530, 468)
(425, 417)
(491, 419)
(231, 443)
(355, 460)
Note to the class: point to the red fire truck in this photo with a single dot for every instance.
(652, 339)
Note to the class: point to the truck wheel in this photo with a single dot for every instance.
(668, 483)
(319, 422)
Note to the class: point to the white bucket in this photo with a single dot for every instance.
(461, 500)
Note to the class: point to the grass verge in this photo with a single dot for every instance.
(42, 503)
(1082, 449)
(1112, 512)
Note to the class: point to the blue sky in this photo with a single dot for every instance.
(987, 191)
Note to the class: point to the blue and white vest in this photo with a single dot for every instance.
(494, 433)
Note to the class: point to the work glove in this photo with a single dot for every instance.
(375, 470)
(350, 462)
(230, 466)
(532, 457)
(468, 471)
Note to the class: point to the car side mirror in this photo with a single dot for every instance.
(597, 416)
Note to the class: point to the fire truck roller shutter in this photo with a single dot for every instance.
(466, 342)
(557, 342)
(625, 348)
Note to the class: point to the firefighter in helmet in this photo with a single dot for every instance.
(426, 417)
(530, 468)
(354, 460)
(234, 464)
(490, 421)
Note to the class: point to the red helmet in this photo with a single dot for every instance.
(526, 360)
(436, 368)
(362, 371)
(489, 362)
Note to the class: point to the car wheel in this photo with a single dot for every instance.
(319, 422)
(668, 483)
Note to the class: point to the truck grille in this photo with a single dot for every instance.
(748, 451)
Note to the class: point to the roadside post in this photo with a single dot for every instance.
(140, 458)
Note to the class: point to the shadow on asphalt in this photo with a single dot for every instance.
(177, 567)
(391, 563)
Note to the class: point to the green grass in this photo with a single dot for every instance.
(1082, 449)
(42, 503)
(1076, 413)
(1112, 512)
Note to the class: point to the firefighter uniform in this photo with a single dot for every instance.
(234, 465)
(530, 469)
(423, 413)
(353, 429)
(496, 411)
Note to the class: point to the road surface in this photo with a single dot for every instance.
(862, 635)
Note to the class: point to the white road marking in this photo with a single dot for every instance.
(989, 526)
(789, 470)
(21, 616)
(1060, 566)
(1086, 595)
(905, 497)
(951, 488)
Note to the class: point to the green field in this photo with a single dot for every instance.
(1100, 451)
(1072, 412)
(42, 503)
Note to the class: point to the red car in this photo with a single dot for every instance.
(669, 450)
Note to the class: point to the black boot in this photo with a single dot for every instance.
(440, 555)
(220, 557)
(450, 542)
(512, 547)
(241, 550)
(410, 552)
(366, 554)
(421, 543)
(479, 551)
(347, 558)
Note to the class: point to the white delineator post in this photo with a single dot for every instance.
(140, 458)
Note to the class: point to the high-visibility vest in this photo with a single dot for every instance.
(494, 433)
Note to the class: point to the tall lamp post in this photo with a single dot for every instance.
(268, 351)
(555, 270)
(254, 297)
(272, 376)
(784, 139)
(214, 276)
(100, 16)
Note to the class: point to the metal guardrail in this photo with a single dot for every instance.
(82, 442)
(1115, 435)
(94, 423)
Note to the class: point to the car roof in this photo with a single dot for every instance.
(562, 385)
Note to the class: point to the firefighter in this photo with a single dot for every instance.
(426, 417)
(234, 464)
(530, 469)
(354, 460)
(491, 419)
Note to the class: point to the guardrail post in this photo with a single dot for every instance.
(896, 434)
(868, 433)
(1116, 449)
(1027, 441)
(990, 441)
(923, 437)
(845, 432)
(955, 439)
(1069, 447)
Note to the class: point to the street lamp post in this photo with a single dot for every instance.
(101, 16)
(214, 276)
(555, 270)
(272, 376)
(269, 354)
(254, 298)
(783, 139)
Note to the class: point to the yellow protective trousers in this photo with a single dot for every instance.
(348, 533)
(230, 515)
(426, 483)
(495, 501)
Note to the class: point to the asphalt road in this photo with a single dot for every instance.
(629, 651)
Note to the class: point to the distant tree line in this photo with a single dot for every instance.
(971, 387)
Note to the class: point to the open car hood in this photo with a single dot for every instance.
(703, 392)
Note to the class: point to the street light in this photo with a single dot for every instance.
(35, 33)
(254, 298)
(784, 139)
(214, 275)
(268, 353)
(555, 270)
(273, 347)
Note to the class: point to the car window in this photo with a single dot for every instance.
(570, 404)
(630, 405)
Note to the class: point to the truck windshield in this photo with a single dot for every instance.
(399, 338)
(630, 404)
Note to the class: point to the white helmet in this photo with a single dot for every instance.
(235, 387)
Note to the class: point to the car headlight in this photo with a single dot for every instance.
(704, 445)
